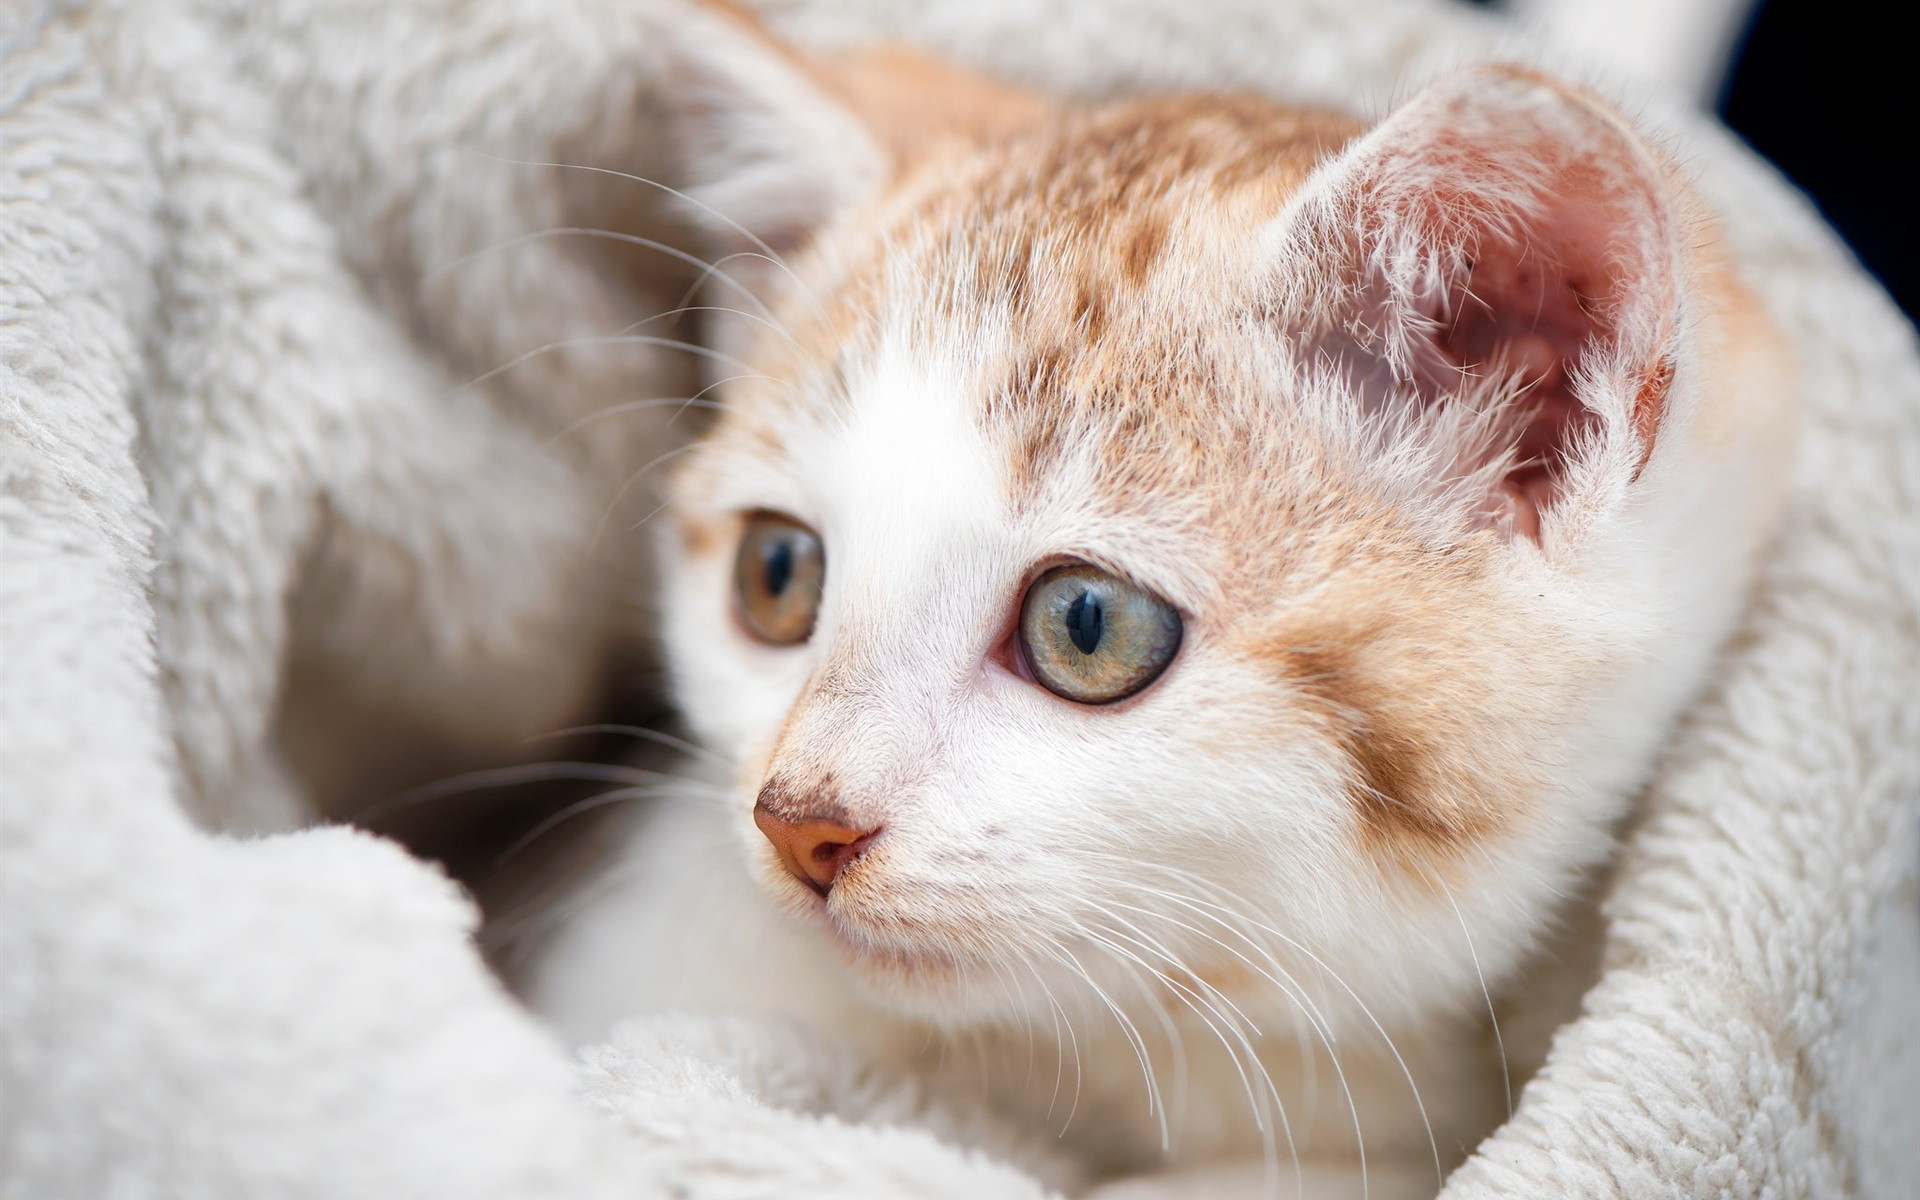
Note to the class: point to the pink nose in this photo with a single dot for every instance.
(814, 850)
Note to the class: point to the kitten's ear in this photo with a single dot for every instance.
(769, 152)
(1496, 263)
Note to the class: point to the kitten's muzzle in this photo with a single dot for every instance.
(814, 849)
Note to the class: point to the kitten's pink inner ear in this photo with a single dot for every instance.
(1518, 314)
(1500, 244)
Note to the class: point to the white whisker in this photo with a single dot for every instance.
(679, 403)
(1207, 1007)
(611, 339)
(690, 749)
(1500, 1043)
(683, 308)
(561, 817)
(1182, 1071)
(1295, 993)
(657, 461)
(503, 777)
(608, 235)
(1393, 1049)
(1155, 1107)
(765, 251)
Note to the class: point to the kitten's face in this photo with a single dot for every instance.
(1099, 596)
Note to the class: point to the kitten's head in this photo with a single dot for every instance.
(1189, 544)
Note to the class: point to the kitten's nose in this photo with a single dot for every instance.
(814, 849)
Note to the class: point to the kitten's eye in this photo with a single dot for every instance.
(1093, 637)
(777, 579)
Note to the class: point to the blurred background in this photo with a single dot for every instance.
(1828, 96)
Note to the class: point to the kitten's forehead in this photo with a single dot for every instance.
(1111, 248)
(1087, 292)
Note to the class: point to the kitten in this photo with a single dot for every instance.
(1181, 591)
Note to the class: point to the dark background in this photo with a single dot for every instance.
(1827, 93)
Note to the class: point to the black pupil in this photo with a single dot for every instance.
(776, 565)
(1085, 621)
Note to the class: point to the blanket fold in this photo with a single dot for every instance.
(196, 398)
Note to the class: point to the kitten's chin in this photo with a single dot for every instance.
(933, 990)
(912, 972)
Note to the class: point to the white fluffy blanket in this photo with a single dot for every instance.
(291, 387)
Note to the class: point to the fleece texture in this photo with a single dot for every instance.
(301, 378)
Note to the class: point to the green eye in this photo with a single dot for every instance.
(777, 576)
(1093, 637)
